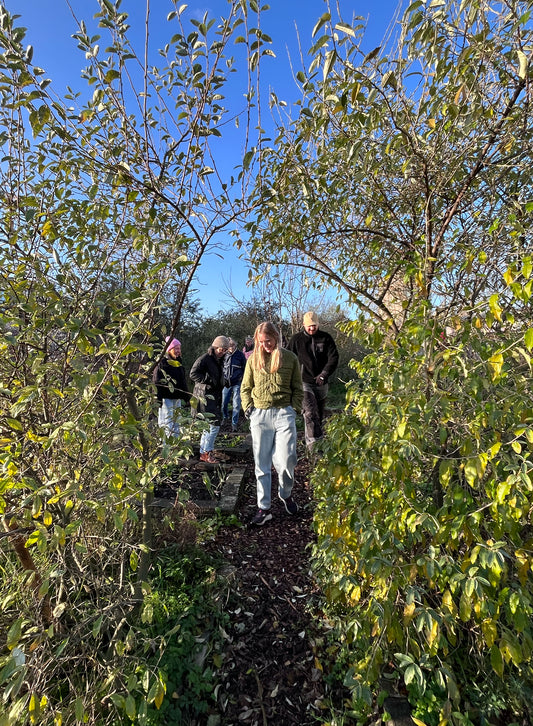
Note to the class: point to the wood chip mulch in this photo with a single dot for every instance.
(271, 671)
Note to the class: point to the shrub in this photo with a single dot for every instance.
(424, 501)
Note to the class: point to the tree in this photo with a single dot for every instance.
(405, 177)
(405, 181)
(104, 203)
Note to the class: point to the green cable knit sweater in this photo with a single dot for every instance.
(263, 389)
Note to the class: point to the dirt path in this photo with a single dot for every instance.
(270, 673)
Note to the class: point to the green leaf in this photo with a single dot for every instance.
(111, 75)
(14, 633)
(147, 613)
(14, 424)
(79, 709)
(131, 711)
(320, 24)
(528, 339)
(97, 626)
(496, 660)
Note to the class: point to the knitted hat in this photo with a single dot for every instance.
(220, 342)
(174, 343)
(310, 318)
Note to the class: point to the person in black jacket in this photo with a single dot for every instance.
(171, 386)
(234, 364)
(319, 358)
(208, 377)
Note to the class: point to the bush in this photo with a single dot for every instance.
(185, 621)
(424, 500)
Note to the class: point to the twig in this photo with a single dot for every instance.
(280, 596)
(260, 693)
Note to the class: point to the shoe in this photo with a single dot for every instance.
(220, 456)
(290, 505)
(262, 516)
(208, 457)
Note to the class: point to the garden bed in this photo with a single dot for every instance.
(202, 487)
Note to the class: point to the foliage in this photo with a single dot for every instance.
(107, 209)
(424, 517)
(405, 172)
(183, 636)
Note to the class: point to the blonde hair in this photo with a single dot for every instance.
(259, 357)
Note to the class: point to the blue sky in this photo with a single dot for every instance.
(50, 25)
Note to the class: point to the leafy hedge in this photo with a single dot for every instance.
(424, 501)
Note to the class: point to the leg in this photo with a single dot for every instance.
(236, 406)
(226, 393)
(321, 395)
(167, 417)
(313, 427)
(262, 431)
(284, 458)
(207, 442)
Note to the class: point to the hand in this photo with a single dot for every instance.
(248, 412)
(320, 380)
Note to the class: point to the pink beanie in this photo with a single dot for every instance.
(173, 343)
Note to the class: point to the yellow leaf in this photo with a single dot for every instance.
(490, 632)
(459, 95)
(432, 123)
(159, 695)
(508, 276)
(495, 308)
(522, 64)
(495, 364)
(433, 633)
(408, 612)
(48, 229)
(34, 708)
(494, 449)
(446, 469)
(448, 603)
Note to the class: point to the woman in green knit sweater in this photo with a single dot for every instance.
(272, 394)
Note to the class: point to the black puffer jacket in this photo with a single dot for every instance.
(206, 372)
(170, 380)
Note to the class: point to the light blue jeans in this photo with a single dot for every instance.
(226, 395)
(274, 443)
(167, 417)
(207, 440)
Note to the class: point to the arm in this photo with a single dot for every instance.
(333, 359)
(240, 366)
(297, 387)
(247, 386)
(198, 373)
(291, 345)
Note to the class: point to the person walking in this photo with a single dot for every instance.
(319, 358)
(248, 347)
(171, 387)
(234, 364)
(272, 395)
(207, 374)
